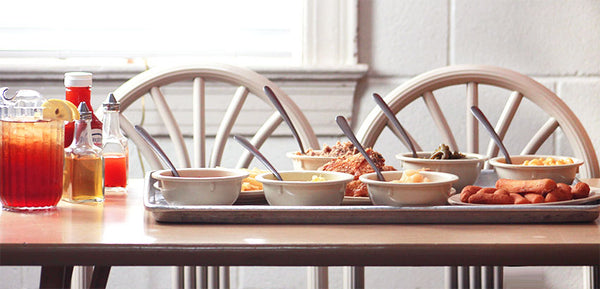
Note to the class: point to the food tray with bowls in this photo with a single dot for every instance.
(252, 209)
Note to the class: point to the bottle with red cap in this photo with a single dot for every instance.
(78, 88)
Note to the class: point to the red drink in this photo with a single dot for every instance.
(31, 164)
(115, 170)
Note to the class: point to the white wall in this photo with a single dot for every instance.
(556, 42)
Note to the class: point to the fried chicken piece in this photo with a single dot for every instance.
(357, 165)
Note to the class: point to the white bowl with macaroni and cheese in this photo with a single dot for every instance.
(561, 169)
(409, 188)
(305, 188)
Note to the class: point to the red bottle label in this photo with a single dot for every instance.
(76, 95)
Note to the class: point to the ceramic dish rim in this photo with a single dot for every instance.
(452, 178)
(346, 178)
(237, 174)
(495, 163)
(471, 158)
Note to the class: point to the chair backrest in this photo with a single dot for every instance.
(247, 82)
(424, 85)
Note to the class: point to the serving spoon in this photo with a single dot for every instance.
(271, 95)
(481, 117)
(392, 117)
(343, 124)
(252, 149)
(156, 147)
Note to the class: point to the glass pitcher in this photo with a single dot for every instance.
(31, 153)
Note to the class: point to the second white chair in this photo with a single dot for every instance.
(471, 77)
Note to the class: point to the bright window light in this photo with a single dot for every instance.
(257, 29)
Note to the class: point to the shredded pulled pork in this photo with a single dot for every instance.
(357, 165)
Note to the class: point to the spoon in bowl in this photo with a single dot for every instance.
(251, 148)
(269, 92)
(156, 147)
(481, 117)
(343, 124)
(392, 117)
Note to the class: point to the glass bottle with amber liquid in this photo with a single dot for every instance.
(114, 149)
(83, 179)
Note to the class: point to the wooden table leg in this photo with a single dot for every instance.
(100, 277)
(56, 277)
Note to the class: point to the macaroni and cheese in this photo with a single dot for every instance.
(547, 162)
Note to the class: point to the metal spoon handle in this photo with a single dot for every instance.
(481, 117)
(269, 92)
(251, 148)
(154, 145)
(392, 117)
(343, 124)
(3, 91)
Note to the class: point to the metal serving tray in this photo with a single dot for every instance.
(262, 213)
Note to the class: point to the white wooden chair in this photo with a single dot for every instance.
(471, 77)
(245, 82)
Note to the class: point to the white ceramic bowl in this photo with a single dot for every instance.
(307, 163)
(201, 186)
(296, 189)
(516, 171)
(467, 169)
(387, 193)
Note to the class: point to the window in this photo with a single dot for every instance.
(307, 47)
(247, 31)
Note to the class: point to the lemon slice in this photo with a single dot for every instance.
(60, 109)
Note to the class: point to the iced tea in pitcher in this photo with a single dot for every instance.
(31, 151)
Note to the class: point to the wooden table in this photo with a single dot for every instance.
(121, 233)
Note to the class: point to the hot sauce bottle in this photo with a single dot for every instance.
(78, 88)
(114, 149)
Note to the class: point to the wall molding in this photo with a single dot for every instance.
(120, 69)
(321, 92)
